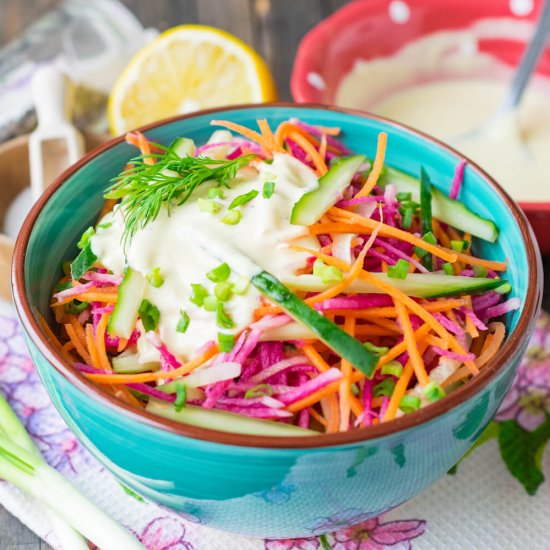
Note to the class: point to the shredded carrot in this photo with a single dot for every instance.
(314, 397)
(315, 357)
(372, 330)
(286, 128)
(268, 136)
(401, 347)
(471, 329)
(94, 296)
(137, 139)
(412, 346)
(67, 346)
(318, 417)
(488, 264)
(459, 375)
(122, 343)
(152, 376)
(124, 394)
(329, 405)
(357, 224)
(79, 346)
(311, 152)
(323, 148)
(246, 132)
(48, 331)
(90, 341)
(100, 342)
(329, 130)
(377, 166)
(389, 289)
(498, 331)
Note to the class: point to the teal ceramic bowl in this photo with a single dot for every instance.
(266, 486)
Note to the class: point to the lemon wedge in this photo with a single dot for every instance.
(185, 69)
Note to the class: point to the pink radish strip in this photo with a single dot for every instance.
(242, 387)
(458, 178)
(358, 200)
(102, 278)
(169, 362)
(399, 253)
(271, 321)
(311, 386)
(462, 358)
(148, 390)
(278, 367)
(83, 367)
(255, 412)
(318, 133)
(473, 317)
(74, 291)
(264, 400)
(102, 310)
(449, 325)
(500, 309)
(485, 301)
(367, 403)
(359, 301)
(384, 407)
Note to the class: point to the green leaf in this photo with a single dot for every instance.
(522, 450)
(83, 262)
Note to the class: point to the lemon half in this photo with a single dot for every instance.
(185, 69)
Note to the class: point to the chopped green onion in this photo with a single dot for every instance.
(210, 303)
(407, 212)
(268, 189)
(233, 217)
(181, 397)
(85, 239)
(183, 323)
(400, 270)
(220, 273)
(105, 225)
(64, 286)
(223, 291)
(225, 341)
(223, 319)
(480, 271)
(149, 315)
(429, 237)
(198, 294)
(83, 262)
(243, 199)
(216, 193)
(259, 391)
(402, 197)
(448, 269)
(210, 207)
(75, 307)
(328, 274)
(354, 390)
(409, 403)
(459, 246)
(379, 350)
(393, 368)
(385, 388)
(433, 391)
(154, 278)
(240, 286)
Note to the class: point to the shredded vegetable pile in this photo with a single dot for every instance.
(389, 313)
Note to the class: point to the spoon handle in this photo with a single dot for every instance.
(529, 60)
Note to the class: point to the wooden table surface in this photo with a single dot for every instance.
(273, 27)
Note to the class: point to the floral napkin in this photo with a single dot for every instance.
(497, 497)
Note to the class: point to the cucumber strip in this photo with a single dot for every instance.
(445, 209)
(183, 147)
(290, 331)
(314, 204)
(130, 294)
(128, 363)
(418, 285)
(213, 419)
(332, 335)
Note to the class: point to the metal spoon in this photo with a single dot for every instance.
(522, 76)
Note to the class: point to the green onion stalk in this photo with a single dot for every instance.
(73, 517)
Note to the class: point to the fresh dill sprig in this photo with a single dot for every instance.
(144, 188)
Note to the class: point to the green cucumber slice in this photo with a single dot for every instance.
(128, 363)
(130, 294)
(183, 147)
(331, 334)
(314, 204)
(418, 285)
(445, 209)
(213, 419)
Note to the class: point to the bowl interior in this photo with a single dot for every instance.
(75, 204)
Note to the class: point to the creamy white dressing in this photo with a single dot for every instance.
(261, 234)
(444, 86)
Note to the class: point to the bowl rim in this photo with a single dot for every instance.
(456, 398)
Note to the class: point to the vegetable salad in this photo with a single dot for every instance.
(273, 282)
